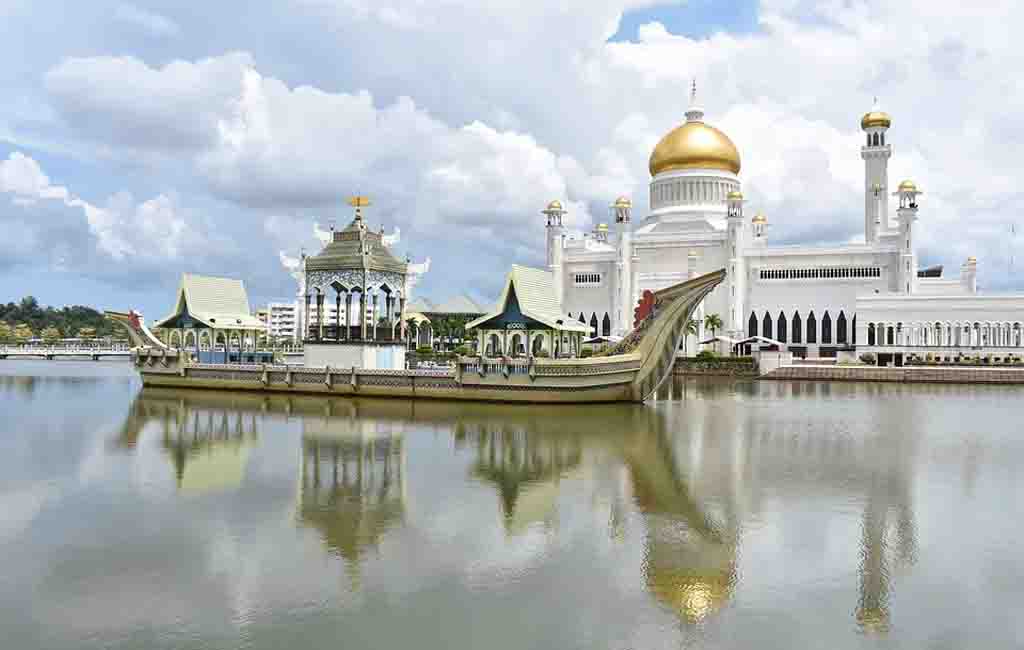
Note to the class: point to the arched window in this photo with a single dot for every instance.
(869, 139)
(871, 333)
(889, 335)
(826, 329)
(812, 328)
(766, 326)
(855, 329)
(582, 320)
(752, 325)
(798, 329)
(782, 328)
(606, 325)
(593, 324)
(841, 328)
(875, 140)
(882, 139)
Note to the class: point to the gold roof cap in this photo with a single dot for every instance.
(555, 205)
(759, 218)
(875, 118)
(602, 227)
(622, 202)
(908, 186)
(735, 195)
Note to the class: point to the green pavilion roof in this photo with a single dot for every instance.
(534, 289)
(346, 252)
(218, 303)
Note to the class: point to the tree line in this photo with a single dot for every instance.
(27, 319)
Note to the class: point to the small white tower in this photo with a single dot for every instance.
(876, 154)
(759, 226)
(907, 214)
(622, 211)
(969, 275)
(555, 236)
(736, 272)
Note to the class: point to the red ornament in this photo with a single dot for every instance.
(643, 307)
(133, 318)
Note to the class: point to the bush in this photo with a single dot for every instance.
(541, 354)
(706, 355)
(424, 349)
(463, 351)
(586, 353)
(868, 358)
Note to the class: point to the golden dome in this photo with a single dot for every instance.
(972, 260)
(694, 145)
(875, 119)
(908, 186)
(759, 218)
(622, 202)
(555, 205)
(734, 196)
(602, 227)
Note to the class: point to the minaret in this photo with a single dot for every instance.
(876, 154)
(907, 213)
(555, 236)
(622, 210)
(759, 226)
(736, 272)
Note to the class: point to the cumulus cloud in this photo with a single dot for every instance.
(473, 115)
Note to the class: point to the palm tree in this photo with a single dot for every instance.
(713, 322)
(690, 329)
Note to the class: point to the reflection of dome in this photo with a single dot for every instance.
(689, 594)
(694, 145)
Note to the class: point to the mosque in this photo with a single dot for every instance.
(810, 300)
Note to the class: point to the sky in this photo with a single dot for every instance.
(140, 140)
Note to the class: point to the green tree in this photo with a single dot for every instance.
(87, 333)
(713, 322)
(22, 333)
(51, 335)
(6, 332)
(690, 329)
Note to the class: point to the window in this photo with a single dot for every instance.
(587, 279)
(798, 334)
(841, 328)
(752, 325)
(782, 328)
(826, 329)
(606, 325)
(812, 328)
(593, 324)
(837, 272)
(766, 326)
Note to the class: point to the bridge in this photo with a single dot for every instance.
(63, 352)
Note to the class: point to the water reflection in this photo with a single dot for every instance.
(696, 475)
(352, 480)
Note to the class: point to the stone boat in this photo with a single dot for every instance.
(630, 372)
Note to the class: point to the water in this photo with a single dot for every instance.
(733, 515)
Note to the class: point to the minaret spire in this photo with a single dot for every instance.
(695, 113)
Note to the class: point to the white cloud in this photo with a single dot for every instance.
(152, 23)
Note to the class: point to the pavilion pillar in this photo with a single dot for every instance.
(362, 315)
(373, 317)
(337, 317)
(320, 315)
(305, 318)
(529, 345)
(504, 342)
(348, 315)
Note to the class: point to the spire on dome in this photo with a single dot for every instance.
(695, 113)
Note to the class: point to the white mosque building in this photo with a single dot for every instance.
(813, 300)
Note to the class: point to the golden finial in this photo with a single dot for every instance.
(358, 202)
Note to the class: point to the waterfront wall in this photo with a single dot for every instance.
(927, 375)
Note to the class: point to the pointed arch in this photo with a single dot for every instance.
(798, 329)
(766, 326)
(593, 324)
(606, 325)
(854, 329)
(752, 325)
(841, 328)
(826, 329)
(871, 333)
(781, 331)
(812, 328)
(582, 320)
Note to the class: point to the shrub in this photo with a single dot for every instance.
(463, 351)
(586, 353)
(868, 358)
(706, 355)
(542, 354)
(424, 349)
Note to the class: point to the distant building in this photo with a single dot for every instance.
(428, 316)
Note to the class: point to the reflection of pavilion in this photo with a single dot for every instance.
(526, 469)
(208, 442)
(352, 481)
